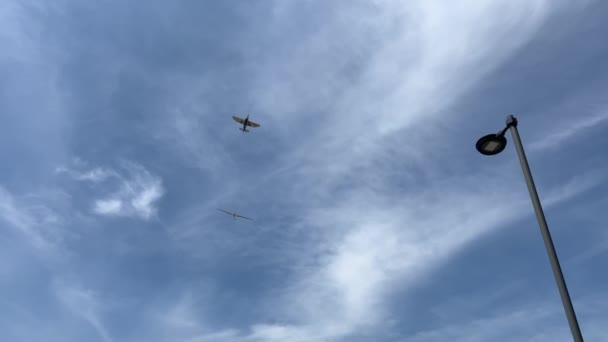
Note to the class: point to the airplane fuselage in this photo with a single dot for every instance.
(245, 123)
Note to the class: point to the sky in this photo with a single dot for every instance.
(375, 219)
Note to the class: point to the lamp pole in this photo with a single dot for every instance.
(544, 229)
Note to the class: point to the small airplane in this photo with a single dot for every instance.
(245, 123)
(235, 215)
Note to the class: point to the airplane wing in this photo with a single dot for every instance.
(237, 119)
(237, 215)
(225, 211)
(253, 124)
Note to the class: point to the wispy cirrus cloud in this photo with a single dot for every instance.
(135, 193)
(93, 175)
(570, 130)
(359, 179)
(83, 303)
(357, 242)
(393, 248)
(38, 223)
(540, 323)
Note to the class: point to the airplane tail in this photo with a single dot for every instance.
(244, 130)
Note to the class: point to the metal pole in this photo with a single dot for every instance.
(544, 229)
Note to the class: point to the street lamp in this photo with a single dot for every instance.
(492, 144)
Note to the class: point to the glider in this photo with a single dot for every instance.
(235, 215)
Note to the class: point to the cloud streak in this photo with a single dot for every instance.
(137, 190)
(83, 303)
(37, 222)
(359, 242)
(360, 180)
(570, 130)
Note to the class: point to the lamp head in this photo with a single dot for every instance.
(491, 144)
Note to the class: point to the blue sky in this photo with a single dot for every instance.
(375, 218)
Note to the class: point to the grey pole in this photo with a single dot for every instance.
(544, 229)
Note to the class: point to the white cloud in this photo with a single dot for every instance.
(541, 322)
(136, 191)
(95, 175)
(183, 321)
(83, 303)
(391, 248)
(108, 207)
(574, 186)
(569, 130)
(137, 196)
(144, 201)
(366, 238)
(18, 218)
(599, 247)
(428, 56)
(370, 241)
(36, 221)
(371, 245)
(81, 170)
(523, 325)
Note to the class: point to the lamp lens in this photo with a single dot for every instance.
(491, 145)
